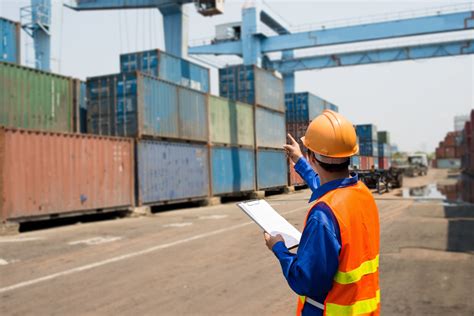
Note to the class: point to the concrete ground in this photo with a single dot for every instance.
(213, 260)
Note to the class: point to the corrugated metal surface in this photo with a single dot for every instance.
(80, 106)
(48, 173)
(167, 67)
(9, 41)
(35, 100)
(193, 116)
(383, 137)
(355, 162)
(297, 130)
(252, 85)
(272, 169)
(270, 128)
(369, 148)
(295, 178)
(171, 171)
(303, 106)
(384, 163)
(367, 132)
(233, 170)
(134, 105)
(231, 122)
(384, 150)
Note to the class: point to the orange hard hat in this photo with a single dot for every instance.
(331, 137)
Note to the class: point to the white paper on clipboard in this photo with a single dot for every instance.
(271, 222)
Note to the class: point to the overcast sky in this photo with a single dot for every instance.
(414, 100)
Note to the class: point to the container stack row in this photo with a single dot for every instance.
(450, 151)
(467, 143)
(368, 147)
(264, 91)
(384, 150)
(10, 41)
(47, 167)
(161, 101)
(301, 109)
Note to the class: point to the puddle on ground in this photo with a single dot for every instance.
(429, 191)
(460, 191)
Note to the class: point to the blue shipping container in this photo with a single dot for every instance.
(369, 149)
(270, 128)
(366, 132)
(355, 162)
(303, 107)
(171, 171)
(233, 170)
(376, 163)
(9, 41)
(252, 85)
(384, 150)
(167, 67)
(272, 169)
(134, 105)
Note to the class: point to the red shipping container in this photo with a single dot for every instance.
(364, 162)
(44, 173)
(295, 178)
(450, 152)
(440, 154)
(449, 140)
(384, 162)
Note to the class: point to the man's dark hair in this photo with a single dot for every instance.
(331, 167)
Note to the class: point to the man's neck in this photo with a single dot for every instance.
(330, 176)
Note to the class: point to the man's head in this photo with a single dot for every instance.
(331, 141)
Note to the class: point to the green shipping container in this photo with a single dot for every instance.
(383, 137)
(231, 122)
(34, 99)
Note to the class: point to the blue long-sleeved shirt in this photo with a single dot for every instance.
(310, 272)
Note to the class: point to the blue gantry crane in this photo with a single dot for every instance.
(253, 45)
(36, 21)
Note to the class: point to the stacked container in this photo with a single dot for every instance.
(301, 109)
(158, 102)
(450, 151)
(10, 41)
(368, 146)
(467, 144)
(232, 146)
(262, 89)
(167, 67)
(384, 150)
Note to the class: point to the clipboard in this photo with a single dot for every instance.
(265, 216)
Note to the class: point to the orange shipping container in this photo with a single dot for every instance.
(44, 173)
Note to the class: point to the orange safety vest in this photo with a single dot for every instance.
(355, 289)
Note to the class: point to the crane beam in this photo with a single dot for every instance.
(351, 34)
(381, 55)
(81, 5)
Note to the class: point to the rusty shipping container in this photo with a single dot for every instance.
(45, 173)
(34, 99)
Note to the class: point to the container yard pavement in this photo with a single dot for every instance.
(207, 261)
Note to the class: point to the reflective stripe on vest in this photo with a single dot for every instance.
(361, 307)
(368, 267)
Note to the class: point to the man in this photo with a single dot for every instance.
(335, 269)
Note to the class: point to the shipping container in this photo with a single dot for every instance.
(233, 170)
(80, 106)
(369, 148)
(231, 122)
(34, 99)
(383, 137)
(44, 173)
(330, 106)
(297, 130)
(252, 85)
(448, 163)
(136, 105)
(10, 41)
(170, 171)
(384, 163)
(270, 128)
(167, 67)
(384, 150)
(367, 132)
(303, 107)
(376, 162)
(355, 162)
(272, 169)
